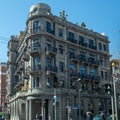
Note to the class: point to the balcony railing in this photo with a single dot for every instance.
(51, 51)
(90, 78)
(93, 62)
(35, 30)
(50, 31)
(51, 70)
(83, 44)
(73, 57)
(25, 57)
(93, 47)
(72, 40)
(35, 70)
(35, 51)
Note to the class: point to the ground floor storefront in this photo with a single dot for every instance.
(58, 106)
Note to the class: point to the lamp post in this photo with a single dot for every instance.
(114, 91)
(55, 100)
(79, 90)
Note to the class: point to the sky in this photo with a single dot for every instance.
(98, 15)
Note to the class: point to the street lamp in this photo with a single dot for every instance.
(55, 100)
(114, 92)
(79, 90)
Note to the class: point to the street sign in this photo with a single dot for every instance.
(75, 107)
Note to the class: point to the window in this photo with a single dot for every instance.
(61, 48)
(102, 75)
(91, 43)
(91, 58)
(82, 56)
(105, 47)
(48, 27)
(35, 11)
(37, 64)
(81, 39)
(101, 61)
(100, 46)
(35, 26)
(92, 73)
(72, 67)
(71, 36)
(105, 63)
(36, 82)
(49, 82)
(82, 71)
(61, 66)
(49, 62)
(60, 32)
(36, 44)
(106, 75)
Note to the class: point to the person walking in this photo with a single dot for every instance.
(89, 116)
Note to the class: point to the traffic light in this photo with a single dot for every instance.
(108, 88)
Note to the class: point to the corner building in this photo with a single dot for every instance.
(56, 68)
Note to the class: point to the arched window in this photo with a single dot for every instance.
(35, 26)
(35, 11)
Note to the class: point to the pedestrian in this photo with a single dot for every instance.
(89, 116)
(37, 117)
(102, 116)
(40, 117)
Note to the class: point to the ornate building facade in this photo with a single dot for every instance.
(56, 68)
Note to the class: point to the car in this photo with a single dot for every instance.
(1, 117)
(97, 117)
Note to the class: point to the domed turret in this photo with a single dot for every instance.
(40, 8)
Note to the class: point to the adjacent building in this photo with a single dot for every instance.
(3, 99)
(56, 68)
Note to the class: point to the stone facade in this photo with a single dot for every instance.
(56, 68)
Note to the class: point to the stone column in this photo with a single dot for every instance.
(17, 107)
(42, 109)
(30, 110)
(27, 109)
(11, 110)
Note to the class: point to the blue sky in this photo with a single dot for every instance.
(99, 15)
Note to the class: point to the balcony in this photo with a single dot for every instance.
(74, 75)
(51, 51)
(35, 70)
(51, 70)
(25, 76)
(17, 72)
(19, 84)
(72, 40)
(21, 67)
(93, 47)
(93, 62)
(90, 78)
(96, 79)
(83, 44)
(73, 57)
(49, 30)
(35, 30)
(84, 77)
(35, 51)
(25, 57)
(83, 60)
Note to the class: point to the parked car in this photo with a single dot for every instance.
(1, 118)
(98, 116)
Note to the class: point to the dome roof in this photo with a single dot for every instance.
(40, 6)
